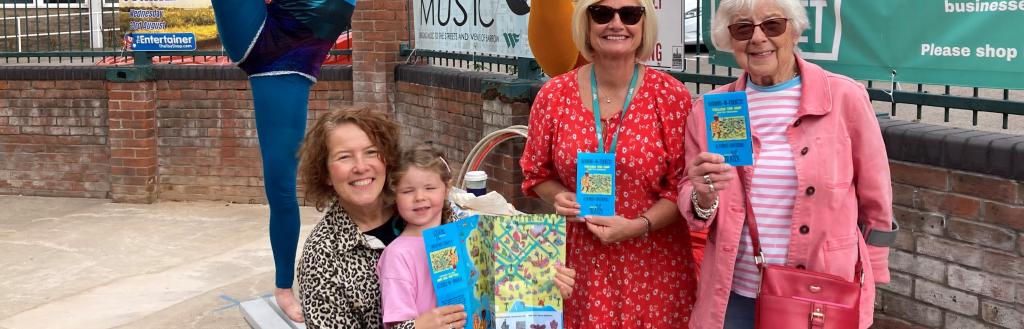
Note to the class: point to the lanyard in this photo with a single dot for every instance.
(597, 109)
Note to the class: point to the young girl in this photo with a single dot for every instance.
(421, 183)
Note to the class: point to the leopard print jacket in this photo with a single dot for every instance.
(338, 282)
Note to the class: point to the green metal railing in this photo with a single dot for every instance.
(714, 76)
(57, 26)
(88, 32)
(919, 99)
(522, 67)
(80, 32)
(121, 58)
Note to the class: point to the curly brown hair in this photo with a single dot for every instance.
(382, 131)
(425, 156)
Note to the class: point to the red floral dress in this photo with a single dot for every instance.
(645, 282)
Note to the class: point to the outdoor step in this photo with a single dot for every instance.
(263, 313)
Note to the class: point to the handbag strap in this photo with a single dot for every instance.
(858, 271)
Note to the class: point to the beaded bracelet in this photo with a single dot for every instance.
(647, 221)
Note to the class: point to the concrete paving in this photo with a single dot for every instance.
(88, 263)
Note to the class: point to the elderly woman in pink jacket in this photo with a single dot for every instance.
(820, 180)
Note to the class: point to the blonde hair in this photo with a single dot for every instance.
(581, 28)
(720, 38)
(426, 157)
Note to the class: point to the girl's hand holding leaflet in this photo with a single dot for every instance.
(444, 317)
(565, 280)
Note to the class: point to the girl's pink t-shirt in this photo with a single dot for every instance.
(405, 288)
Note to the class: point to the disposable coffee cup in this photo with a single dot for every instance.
(476, 182)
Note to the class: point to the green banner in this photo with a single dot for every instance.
(977, 43)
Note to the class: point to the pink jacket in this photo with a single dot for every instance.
(843, 175)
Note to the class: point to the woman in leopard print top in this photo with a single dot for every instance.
(344, 166)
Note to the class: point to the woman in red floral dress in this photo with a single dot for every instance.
(635, 269)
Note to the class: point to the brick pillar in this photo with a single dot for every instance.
(502, 164)
(379, 27)
(132, 140)
(507, 103)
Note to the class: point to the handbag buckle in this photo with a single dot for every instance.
(817, 318)
(759, 258)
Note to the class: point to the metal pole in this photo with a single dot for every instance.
(96, 23)
(17, 31)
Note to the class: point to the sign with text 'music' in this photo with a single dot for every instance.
(496, 27)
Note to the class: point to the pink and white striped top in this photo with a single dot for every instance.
(774, 185)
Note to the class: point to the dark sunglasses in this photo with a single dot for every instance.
(772, 28)
(602, 14)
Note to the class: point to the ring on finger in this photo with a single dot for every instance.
(707, 179)
(711, 187)
(450, 326)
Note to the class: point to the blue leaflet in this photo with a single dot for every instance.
(727, 122)
(595, 183)
(501, 268)
(452, 271)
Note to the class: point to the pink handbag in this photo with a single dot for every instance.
(793, 298)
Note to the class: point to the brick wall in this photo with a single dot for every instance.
(451, 119)
(207, 138)
(188, 135)
(451, 108)
(53, 138)
(131, 121)
(959, 261)
(502, 164)
(379, 28)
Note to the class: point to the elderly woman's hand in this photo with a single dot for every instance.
(444, 317)
(709, 174)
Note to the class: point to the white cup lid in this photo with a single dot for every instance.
(476, 175)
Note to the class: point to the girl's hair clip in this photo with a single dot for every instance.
(446, 166)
